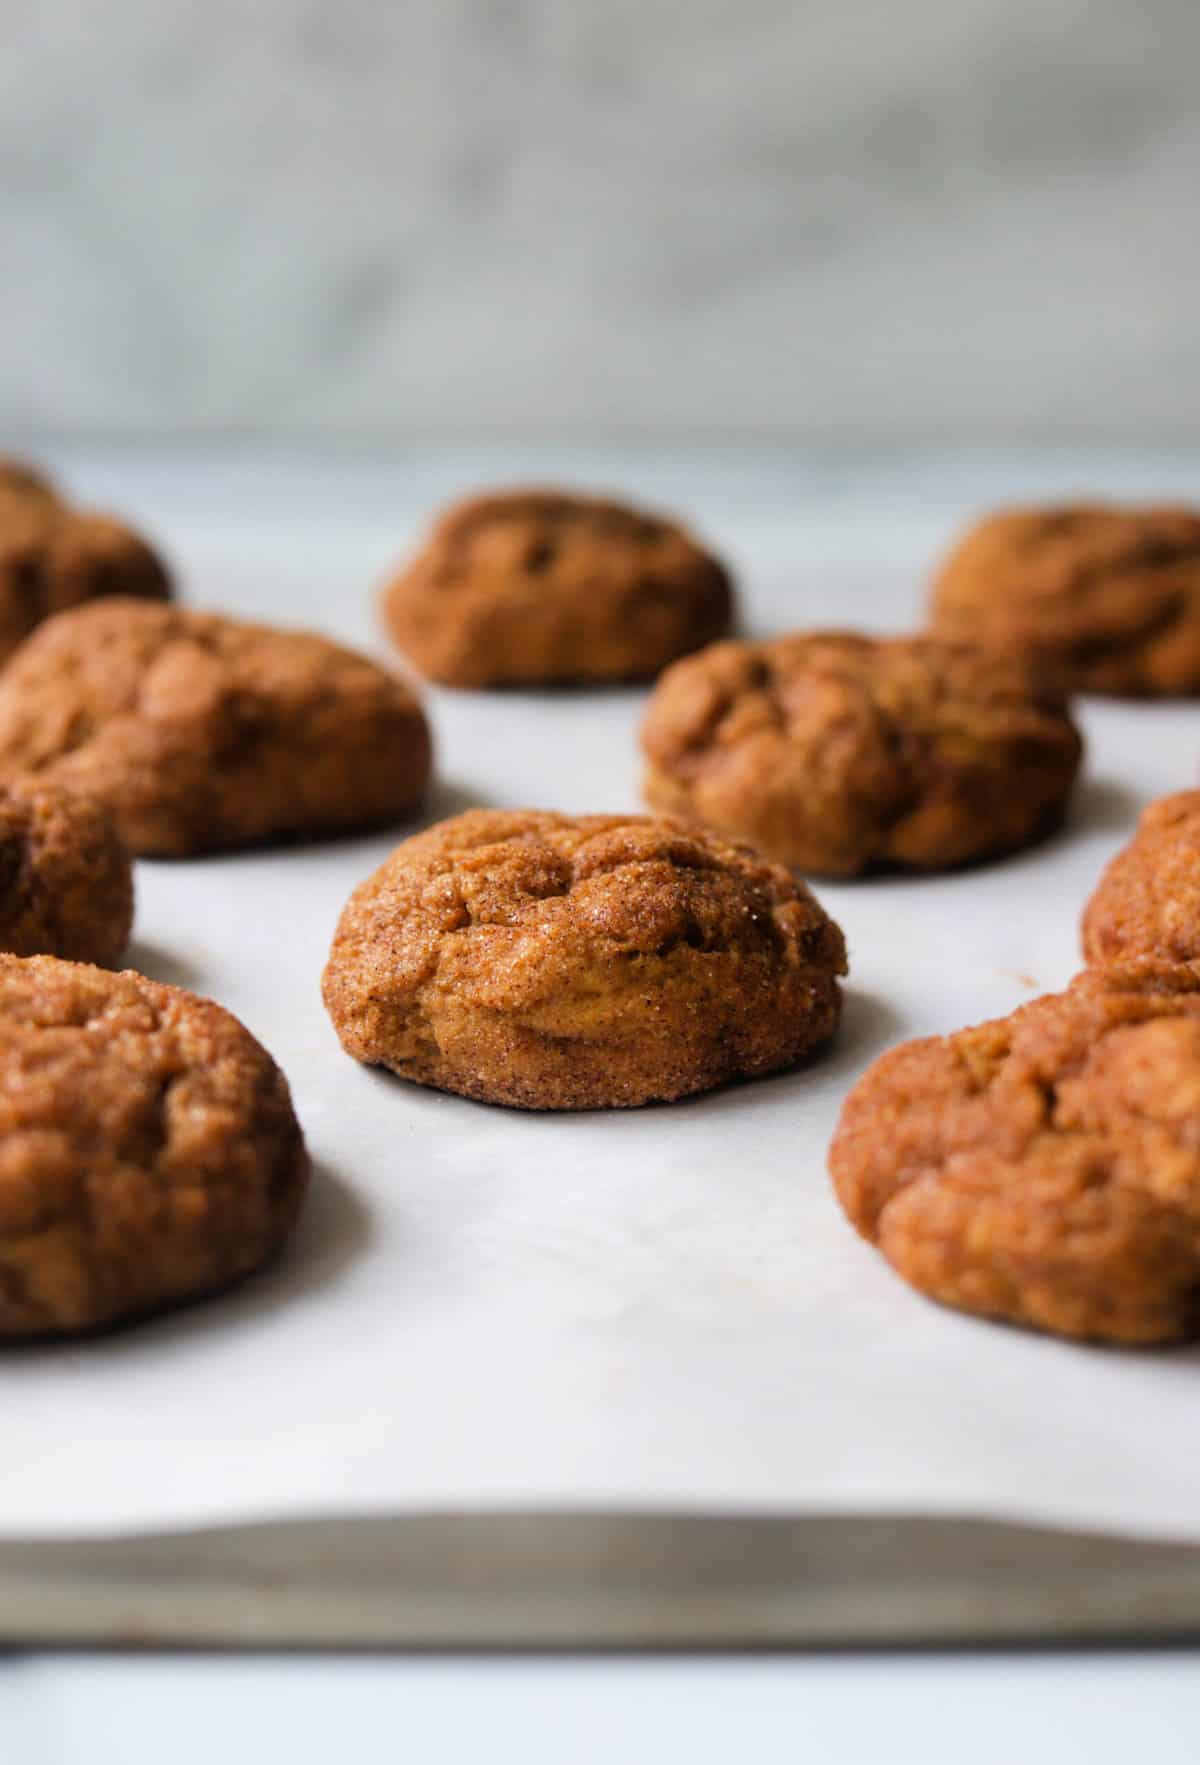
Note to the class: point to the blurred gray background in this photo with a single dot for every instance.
(865, 222)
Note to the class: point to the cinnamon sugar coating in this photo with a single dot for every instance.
(53, 556)
(1043, 1168)
(579, 962)
(1099, 598)
(201, 733)
(1147, 903)
(66, 882)
(149, 1152)
(838, 753)
(539, 587)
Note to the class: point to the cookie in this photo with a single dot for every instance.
(1102, 599)
(66, 883)
(580, 962)
(839, 753)
(54, 556)
(21, 481)
(201, 733)
(1043, 1168)
(149, 1152)
(538, 587)
(1147, 902)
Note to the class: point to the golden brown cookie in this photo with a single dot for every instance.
(580, 962)
(837, 753)
(1043, 1168)
(19, 480)
(1147, 902)
(1102, 599)
(54, 556)
(66, 883)
(149, 1152)
(201, 733)
(538, 587)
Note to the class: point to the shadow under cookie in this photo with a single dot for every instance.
(1102, 805)
(162, 965)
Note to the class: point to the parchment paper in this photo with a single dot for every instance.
(647, 1309)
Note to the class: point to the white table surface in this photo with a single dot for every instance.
(929, 1708)
(838, 1710)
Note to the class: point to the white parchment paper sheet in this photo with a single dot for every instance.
(644, 1309)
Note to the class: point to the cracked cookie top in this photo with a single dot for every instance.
(1043, 1168)
(837, 752)
(1101, 598)
(200, 732)
(148, 1147)
(570, 962)
(53, 556)
(536, 587)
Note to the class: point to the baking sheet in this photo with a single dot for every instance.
(618, 1580)
(655, 1309)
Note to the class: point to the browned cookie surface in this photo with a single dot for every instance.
(576, 962)
(1147, 902)
(149, 1152)
(836, 752)
(66, 882)
(534, 586)
(1043, 1168)
(200, 732)
(1103, 599)
(54, 556)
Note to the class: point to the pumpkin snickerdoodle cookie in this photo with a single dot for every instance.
(201, 733)
(53, 556)
(149, 1151)
(1043, 1168)
(580, 962)
(542, 587)
(66, 882)
(1147, 903)
(1100, 598)
(837, 752)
